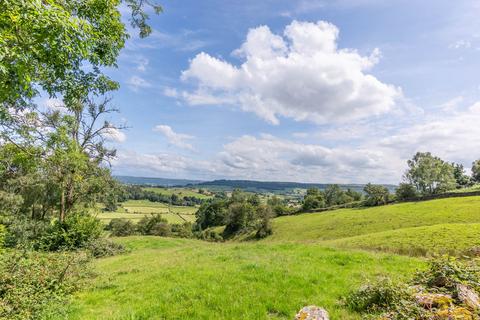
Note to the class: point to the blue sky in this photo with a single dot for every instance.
(317, 91)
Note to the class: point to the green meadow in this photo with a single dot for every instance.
(181, 192)
(312, 258)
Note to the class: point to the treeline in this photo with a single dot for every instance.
(132, 192)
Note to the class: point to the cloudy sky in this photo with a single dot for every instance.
(315, 91)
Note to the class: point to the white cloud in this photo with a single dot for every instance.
(54, 104)
(135, 83)
(115, 135)
(460, 44)
(176, 139)
(142, 64)
(300, 75)
(452, 105)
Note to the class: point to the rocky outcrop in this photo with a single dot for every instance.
(468, 297)
(312, 313)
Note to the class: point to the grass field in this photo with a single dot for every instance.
(181, 192)
(136, 209)
(188, 279)
(312, 258)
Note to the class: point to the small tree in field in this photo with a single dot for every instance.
(405, 191)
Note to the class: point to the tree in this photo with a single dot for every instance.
(476, 171)
(405, 191)
(375, 195)
(430, 174)
(460, 177)
(60, 46)
(314, 199)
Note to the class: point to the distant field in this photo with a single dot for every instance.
(181, 192)
(188, 279)
(136, 209)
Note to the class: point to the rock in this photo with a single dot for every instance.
(312, 313)
(434, 300)
(468, 297)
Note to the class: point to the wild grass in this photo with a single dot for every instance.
(187, 279)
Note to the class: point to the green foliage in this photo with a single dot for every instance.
(314, 199)
(120, 227)
(264, 228)
(476, 171)
(76, 231)
(102, 247)
(445, 273)
(375, 195)
(211, 214)
(210, 235)
(183, 230)
(239, 217)
(279, 206)
(406, 191)
(36, 285)
(461, 178)
(154, 225)
(430, 174)
(334, 195)
(48, 44)
(3, 233)
(385, 296)
(432, 294)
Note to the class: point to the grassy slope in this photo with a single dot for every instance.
(187, 279)
(352, 222)
(417, 228)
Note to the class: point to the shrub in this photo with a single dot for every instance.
(380, 296)
(445, 273)
(154, 225)
(105, 248)
(183, 230)
(210, 235)
(406, 191)
(23, 232)
(121, 227)
(34, 285)
(77, 231)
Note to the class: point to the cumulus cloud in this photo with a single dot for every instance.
(135, 83)
(301, 74)
(176, 139)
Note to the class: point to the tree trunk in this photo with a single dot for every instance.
(62, 206)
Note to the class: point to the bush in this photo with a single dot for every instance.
(210, 235)
(376, 195)
(154, 225)
(385, 295)
(121, 227)
(23, 232)
(264, 228)
(105, 248)
(77, 231)
(406, 191)
(183, 230)
(34, 285)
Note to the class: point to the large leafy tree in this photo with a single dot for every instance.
(430, 174)
(60, 46)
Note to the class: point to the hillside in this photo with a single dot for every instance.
(444, 225)
(189, 279)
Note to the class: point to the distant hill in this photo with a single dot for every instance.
(160, 182)
(273, 186)
(228, 185)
